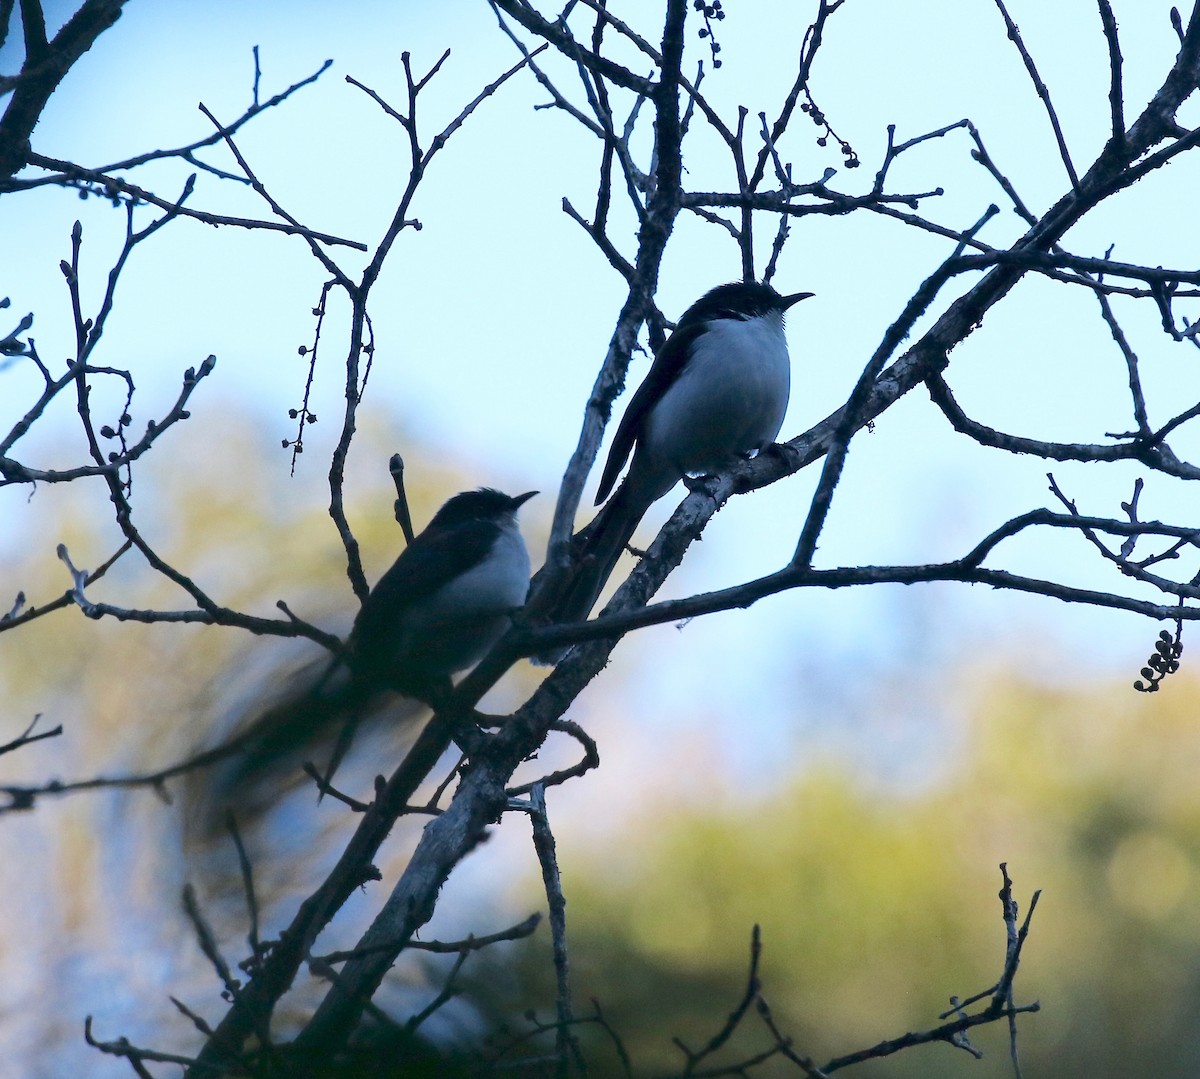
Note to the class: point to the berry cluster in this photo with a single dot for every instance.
(1164, 661)
(712, 13)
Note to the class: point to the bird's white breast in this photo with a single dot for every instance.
(496, 584)
(728, 400)
(465, 617)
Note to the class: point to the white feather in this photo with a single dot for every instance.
(466, 616)
(728, 400)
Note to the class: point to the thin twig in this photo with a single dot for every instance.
(1014, 36)
(566, 1046)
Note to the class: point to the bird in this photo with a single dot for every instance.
(444, 602)
(717, 390)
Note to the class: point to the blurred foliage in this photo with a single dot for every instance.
(94, 880)
(876, 907)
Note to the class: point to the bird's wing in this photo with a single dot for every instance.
(428, 563)
(663, 372)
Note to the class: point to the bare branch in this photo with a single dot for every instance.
(113, 186)
(1014, 36)
(27, 736)
(46, 65)
(566, 1047)
(1116, 92)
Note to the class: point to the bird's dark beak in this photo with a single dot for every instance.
(520, 500)
(796, 297)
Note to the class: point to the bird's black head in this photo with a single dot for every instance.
(486, 504)
(740, 300)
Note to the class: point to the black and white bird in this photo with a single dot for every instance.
(444, 602)
(447, 598)
(716, 391)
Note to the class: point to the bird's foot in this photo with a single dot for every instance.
(705, 483)
(471, 734)
(470, 740)
(782, 451)
(701, 482)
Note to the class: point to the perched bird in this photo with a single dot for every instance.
(445, 601)
(447, 598)
(717, 390)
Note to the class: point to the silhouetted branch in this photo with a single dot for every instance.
(122, 1047)
(114, 187)
(999, 996)
(46, 65)
(1014, 35)
(26, 737)
(69, 174)
(566, 1048)
(695, 1057)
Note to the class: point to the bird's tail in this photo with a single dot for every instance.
(321, 706)
(601, 544)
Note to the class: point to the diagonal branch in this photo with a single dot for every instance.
(1043, 92)
(46, 65)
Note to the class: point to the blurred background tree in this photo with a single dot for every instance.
(875, 895)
